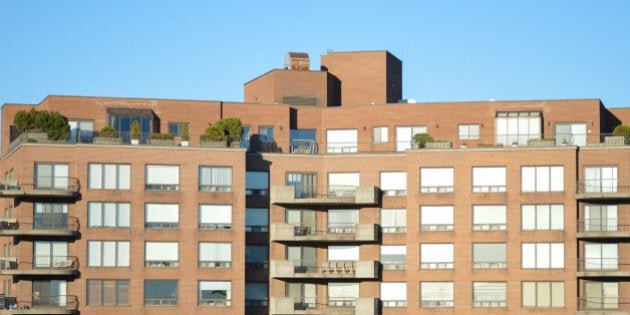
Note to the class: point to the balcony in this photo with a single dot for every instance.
(603, 229)
(43, 266)
(603, 306)
(40, 187)
(603, 267)
(282, 232)
(341, 306)
(289, 269)
(337, 196)
(598, 190)
(39, 304)
(51, 225)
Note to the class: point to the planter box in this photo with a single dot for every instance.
(161, 142)
(107, 140)
(213, 144)
(438, 145)
(235, 144)
(614, 140)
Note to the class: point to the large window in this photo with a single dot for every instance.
(162, 177)
(343, 221)
(436, 180)
(81, 131)
(343, 253)
(489, 179)
(341, 141)
(542, 255)
(49, 254)
(600, 218)
(107, 292)
(489, 217)
(489, 256)
(518, 127)
(109, 176)
(543, 294)
(379, 135)
(215, 217)
(305, 184)
(108, 215)
(394, 257)
(542, 217)
(571, 134)
(603, 256)
(436, 218)
(600, 179)
(468, 132)
(215, 293)
(256, 294)
(161, 216)
(436, 294)
(50, 216)
(51, 176)
(51, 293)
(256, 183)
(256, 220)
(256, 257)
(176, 128)
(342, 294)
(343, 184)
(161, 254)
(394, 294)
(394, 183)
(160, 292)
(542, 178)
(265, 134)
(394, 220)
(489, 294)
(601, 295)
(108, 253)
(436, 256)
(217, 179)
(215, 255)
(404, 136)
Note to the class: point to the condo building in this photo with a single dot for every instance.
(327, 203)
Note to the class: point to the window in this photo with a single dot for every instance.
(436, 180)
(489, 179)
(161, 254)
(600, 179)
(343, 184)
(394, 294)
(404, 136)
(81, 131)
(394, 183)
(601, 295)
(542, 217)
(436, 294)
(394, 220)
(489, 294)
(256, 220)
(257, 183)
(51, 176)
(107, 292)
(215, 255)
(51, 216)
(175, 128)
(468, 132)
(48, 254)
(122, 119)
(436, 218)
(542, 178)
(342, 221)
(162, 177)
(215, 217)
(342, 294)
(108, 253)
(489, 217)
(160, 292)
(108, 215)
(543, 294)
(379, 135)
(601, 256)
(256, 257)
(256, 294)
(542, 255)
(394, 257)
(215, 179)
(109, 176)
(304, 295)
(265, 133)
(303, 141)
(600, 218)
(305, 184)
(343, 253)
(518, 127)
(52, 293)
(341, 141)
(436, 256)
(215, 293)
(161, 216)
(571, 134)
(489, 256)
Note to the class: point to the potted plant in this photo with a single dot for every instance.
(622, 131)
(420, 139)
(213, 137)
(107, 135)
(135, 132)
(233, 129)
(185, 135)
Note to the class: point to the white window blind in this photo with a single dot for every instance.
(215, 214)
(215, 251)
(343, 290)
(436, 256)
(394, 183)
(489, 179)
(436, 218)
(394, 220)
(163, 174)
(341, 141)
(436, 179)
(436, 294)
(162, 213)
(394, 294)
(343, 253)
(489, 217)
(161, 251)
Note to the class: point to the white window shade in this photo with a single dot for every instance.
(343, 253)
(486, 252)
(436, 253)
(436, 215)
(225, 286)
(487, 217)
(393, 250)
(343, 290)
(344, 179)
(163, 174)
(215, 251)
(489, 179)
(161, 251)
(393, 291)
(436, 291)
(393, 181)
(162, 212)
(436, 179)
(341, 141)
(215, 214)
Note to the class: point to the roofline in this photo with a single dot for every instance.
(277, 69)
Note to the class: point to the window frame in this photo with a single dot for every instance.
(167, 185)
(117, 215)
(468, 133)
(119, 292)
(212, 186)
(163, 302)
(120, 182)
(102, 255)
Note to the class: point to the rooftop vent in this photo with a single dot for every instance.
(297, 61)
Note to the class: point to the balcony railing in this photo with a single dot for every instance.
(337, 195)
(602, 190)
(603, 267)
(40, 187)
(41, 225)
(329, 269)
(340, 233)
(604, 304)
(47, 304)
(329, 305)
(603, 228)
(39, 265)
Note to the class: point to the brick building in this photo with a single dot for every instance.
(326, 205)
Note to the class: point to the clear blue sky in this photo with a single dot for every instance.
(206, 50)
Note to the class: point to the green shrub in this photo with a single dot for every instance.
(162, 136)
(185, 132)
(213, 133)
(135, 130)
(52, 123)
(422, 138)
(108, 132)
(623, 130)
(231, 126)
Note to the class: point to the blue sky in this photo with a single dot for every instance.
(206, 50)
